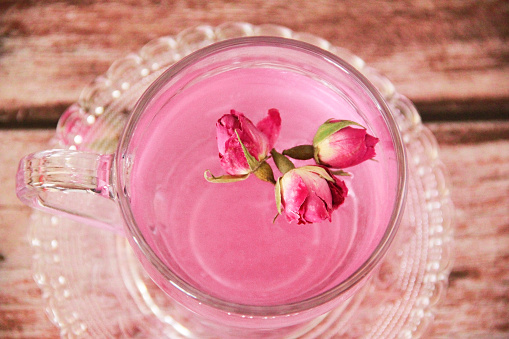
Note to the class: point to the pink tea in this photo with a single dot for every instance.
(221, 238)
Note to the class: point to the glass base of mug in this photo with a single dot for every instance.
(182, 323)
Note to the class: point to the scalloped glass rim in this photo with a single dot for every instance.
(136, 71)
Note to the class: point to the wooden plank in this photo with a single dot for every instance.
(477, 302)
(469, 132)
(22, 307)
(448, 52)
(477, 158)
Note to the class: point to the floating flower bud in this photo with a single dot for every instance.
(309, 194)
(236, 134)
(343, 143)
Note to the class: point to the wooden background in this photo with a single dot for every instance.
(450, 57)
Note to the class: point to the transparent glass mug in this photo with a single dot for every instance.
(246, 73)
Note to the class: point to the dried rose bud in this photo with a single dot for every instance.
(236, 133)
(343, 143)
(309, 194)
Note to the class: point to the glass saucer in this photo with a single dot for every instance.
(95, 287)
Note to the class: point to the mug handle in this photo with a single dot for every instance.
(71, 183)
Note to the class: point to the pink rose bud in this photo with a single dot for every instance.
(342, 144)
(258, 140)
(309, 194)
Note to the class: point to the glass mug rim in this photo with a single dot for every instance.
(247, 309)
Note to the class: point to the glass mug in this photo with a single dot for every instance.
(214, 249)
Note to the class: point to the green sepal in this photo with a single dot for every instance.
(318, 170)
(278, 197)
(302, 152)
(341, 173)
(264, 172)
(251, 161)
(328, 128)
(224, 178)
(283, 164)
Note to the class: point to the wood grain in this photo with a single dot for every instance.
(453, 52)
(22, 307)
(477, 302)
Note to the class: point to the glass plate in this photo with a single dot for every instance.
(95, 287)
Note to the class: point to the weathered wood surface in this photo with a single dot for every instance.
(450, 57)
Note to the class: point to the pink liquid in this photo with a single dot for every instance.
(220, 237)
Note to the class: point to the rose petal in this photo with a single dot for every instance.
(225, 128)
(316, 183)
(233, 160)
(270, 126)
(339, 191)
(315, 209)
(253, 139)
(293, 194)
(371, 141)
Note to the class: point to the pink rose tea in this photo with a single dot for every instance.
(220, 238)
(228, 270)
